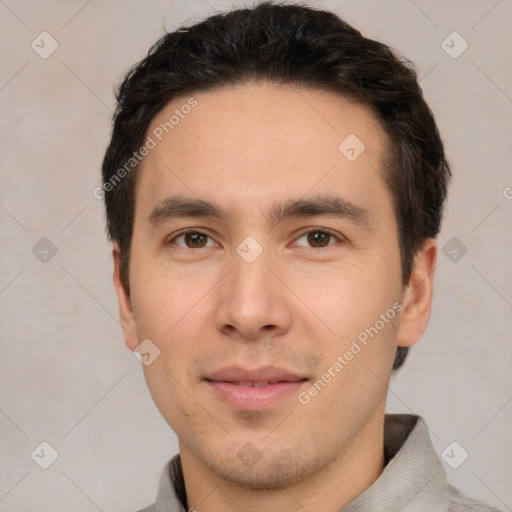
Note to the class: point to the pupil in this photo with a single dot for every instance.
(194, 239)
(318, 236)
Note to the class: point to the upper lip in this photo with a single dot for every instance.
(271, 374)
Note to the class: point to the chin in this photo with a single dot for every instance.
(271, 471)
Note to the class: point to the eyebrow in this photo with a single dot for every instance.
(176, 207)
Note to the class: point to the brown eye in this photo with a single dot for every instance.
(319, 238)
(194, 240)
(191, 240)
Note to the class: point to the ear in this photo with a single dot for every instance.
(417, 298)
(126, 315)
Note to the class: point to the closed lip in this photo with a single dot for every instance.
(259, 376)
(257, 389)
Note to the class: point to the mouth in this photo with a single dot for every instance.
(250, 384)
(253, 390)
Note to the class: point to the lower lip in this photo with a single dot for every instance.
(255, 398)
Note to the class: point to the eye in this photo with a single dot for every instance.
(319, 238)
(192, 240)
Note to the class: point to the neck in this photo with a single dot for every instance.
(336, 485)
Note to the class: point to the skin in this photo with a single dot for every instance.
(299, 305)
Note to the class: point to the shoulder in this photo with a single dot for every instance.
(461, 503)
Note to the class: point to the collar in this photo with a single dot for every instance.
(413, 479)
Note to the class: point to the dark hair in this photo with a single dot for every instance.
(289, 45)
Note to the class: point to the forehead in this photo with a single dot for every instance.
(256, 114)
(249, 143)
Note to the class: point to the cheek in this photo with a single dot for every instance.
(344, 299)
(167, 311)
(167, 388)
(348, 304)
(158, 299)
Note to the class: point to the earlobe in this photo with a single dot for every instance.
(126, 315)
(417, 299)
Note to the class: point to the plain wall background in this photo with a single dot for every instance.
(67, 377)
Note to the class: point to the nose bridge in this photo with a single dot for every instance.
(251, 300)
(250, 276)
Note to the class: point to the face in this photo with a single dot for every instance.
(265, 267)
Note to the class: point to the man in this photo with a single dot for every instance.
(274, 186)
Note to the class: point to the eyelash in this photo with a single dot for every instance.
(314, 230)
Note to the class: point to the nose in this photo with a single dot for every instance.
(253, 301)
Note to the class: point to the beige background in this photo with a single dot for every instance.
(66, 376)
